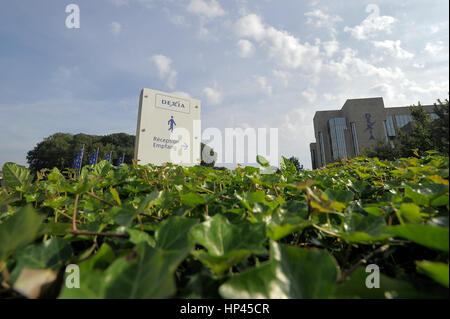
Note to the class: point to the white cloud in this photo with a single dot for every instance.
(245, 48)
(310, 94)
(418, 65)
(213, 95)
(372, 25)
(393, 48)
(283, 76)
(262, 82)
(251, 26)
(164, 66)
(115, 28)
(434, 48)
(321, 19)
(284, 48)
(209, 9)
(331, 47)
(350, 65)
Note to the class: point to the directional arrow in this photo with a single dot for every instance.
(185, 146)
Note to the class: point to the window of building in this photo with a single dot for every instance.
(313, 153)
(403, 119)
(434, 116)
(322, 149)
(337, 126)
(390, 126)
(355, 139)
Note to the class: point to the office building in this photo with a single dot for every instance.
(360, 123)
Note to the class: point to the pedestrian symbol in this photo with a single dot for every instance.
(171, 124)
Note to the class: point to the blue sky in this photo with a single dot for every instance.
(252, 63)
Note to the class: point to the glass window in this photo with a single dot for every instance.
(322, 149)
(355, 139)
(337, 126)
(385, 131)
(434, 116)
(390, 126)
(403, 119)
(313, 155)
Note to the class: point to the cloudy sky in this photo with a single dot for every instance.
(260, 63)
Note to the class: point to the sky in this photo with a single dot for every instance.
(253, 64)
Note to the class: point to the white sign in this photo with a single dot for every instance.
(168, 129)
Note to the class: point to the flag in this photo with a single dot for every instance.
(93, 158)
(108, 157)
(120, 160)
(78, 159)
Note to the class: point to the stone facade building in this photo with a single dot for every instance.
(359, 124)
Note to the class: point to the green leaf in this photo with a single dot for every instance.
(435, 270)
(262, 161)
(364, 229)
(51, 254)
(341, 196)
(15, 175)
(411, 213)
(149, 275)
(426, 235)
(355, 287)
(115, 195)
(172, 233)
(92, 286)
(137, 237)
(100, 260)
(227, 244)
(220, 264)
(124, 215)
(292, 273)
(219, 237)
(18, 231)
(192, 200)
(287, 167)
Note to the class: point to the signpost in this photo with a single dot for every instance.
(168, 129)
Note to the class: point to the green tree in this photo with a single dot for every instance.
(421, 135)
(294, 160)
(59, 149)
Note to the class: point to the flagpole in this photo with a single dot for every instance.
(81, 160)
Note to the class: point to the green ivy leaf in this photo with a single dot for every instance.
(15, 175)
(172, 233)
(19, 230)
(227, 244)
(192, 200)
(149, 275)
(291, 273)
(435, 270)
(51, 254)
(426, 235)
(389, 288)
(262, 161)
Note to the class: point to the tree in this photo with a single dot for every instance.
(59, 149)
(296, 162)
(421, 135)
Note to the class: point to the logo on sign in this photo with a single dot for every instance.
(173, 104)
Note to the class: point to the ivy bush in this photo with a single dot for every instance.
(178, 232)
